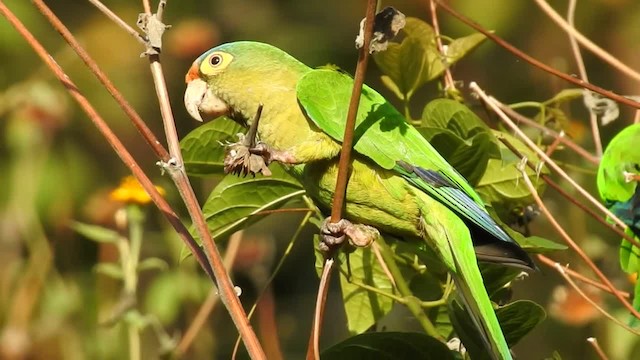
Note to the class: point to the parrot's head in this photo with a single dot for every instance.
(234, 78)
(619, 170)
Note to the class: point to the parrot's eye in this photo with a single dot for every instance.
(215, 60)
(215, 63)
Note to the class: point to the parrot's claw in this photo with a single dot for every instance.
(242, 160)
(334, 234)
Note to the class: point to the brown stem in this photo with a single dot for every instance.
(448, 78)
(116, 19)
(564, 140)
(594, 343)
(178, 175)
(498, 40)
(313, 351)
(574, 274)
(343, 169)
(347, 143)
(113, 140)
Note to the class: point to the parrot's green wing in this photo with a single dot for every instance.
(622, 197)
(383, 135)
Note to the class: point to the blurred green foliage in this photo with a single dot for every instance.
(57, 169)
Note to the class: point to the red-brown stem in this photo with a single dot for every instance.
(574, 274)
(347, 143)
(563, 139)
(113, 140)
(313, 351)
(226, 290)
(498, 40)
(343, 172)
(448, 78)
(594, 343)
(142, 127)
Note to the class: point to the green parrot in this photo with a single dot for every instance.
(399, 184)
(618, 177)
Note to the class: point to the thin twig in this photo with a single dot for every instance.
(142, 127)
(551, 263)
(573, 244)
(116, 19)
(113, 140)
(347, 143)
(593, 119)
(584, 41)
(561, 270)
(594, 343)
(579, 82)
(344, 165)
(448, 78)
(210, 302)
(321, 300)
(564, 140)
(178, 175)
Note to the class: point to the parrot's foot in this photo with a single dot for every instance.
(629, 176)
(334, 234)
(243, 159)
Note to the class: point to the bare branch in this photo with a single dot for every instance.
(584, 41)
(113, 140)
(593, 119)
(512, 49)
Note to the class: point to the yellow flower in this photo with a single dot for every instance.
(130, 191)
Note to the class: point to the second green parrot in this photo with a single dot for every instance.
(399, 184)
(618, 177)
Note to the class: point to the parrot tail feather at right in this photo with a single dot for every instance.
(450, 237)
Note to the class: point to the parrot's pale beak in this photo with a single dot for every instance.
(200, 100)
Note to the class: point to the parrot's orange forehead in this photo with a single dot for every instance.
(193, 73)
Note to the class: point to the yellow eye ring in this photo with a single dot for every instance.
(215, 62)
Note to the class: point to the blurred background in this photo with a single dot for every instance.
(57, 170)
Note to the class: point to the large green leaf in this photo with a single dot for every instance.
(235, 201)
(460, 137)
(389, 346)
(203, 149)
(414, 61)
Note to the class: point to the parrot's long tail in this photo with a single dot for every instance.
(450, 238)
(476, 302)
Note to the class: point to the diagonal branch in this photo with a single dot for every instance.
(512, 49)
(113, 140)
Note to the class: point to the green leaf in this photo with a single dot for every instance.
(407, 64)
(516, 320)
(203, 149)
(414, 61)
(363, 307)
(111, 270)
(502, 184)
(537, 244)
(389, 346)
(460, 137)
(496, 277)
(96, 233)
(152, 263)
(234, 202)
